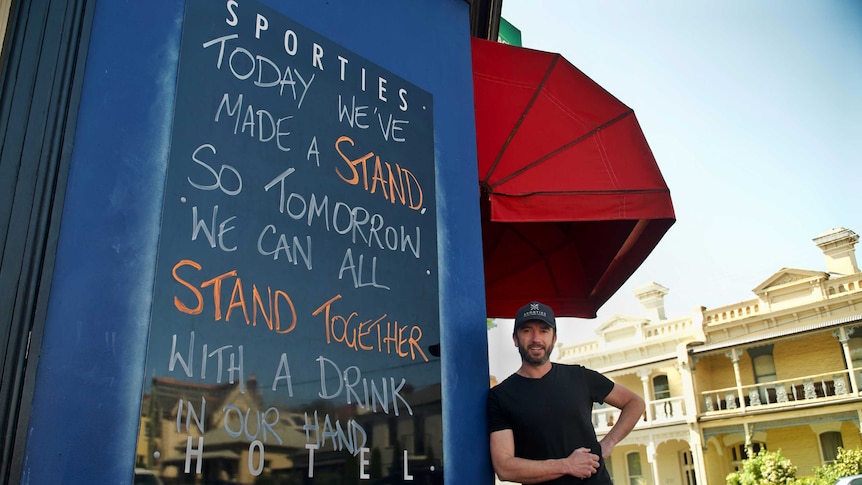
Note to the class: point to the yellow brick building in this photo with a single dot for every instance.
(781, 371)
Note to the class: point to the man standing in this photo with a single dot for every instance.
(540, 417)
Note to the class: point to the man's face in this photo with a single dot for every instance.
(535, 341)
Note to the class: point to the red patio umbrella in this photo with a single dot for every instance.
(572, 198)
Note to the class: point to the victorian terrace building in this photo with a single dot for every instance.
(780, 371)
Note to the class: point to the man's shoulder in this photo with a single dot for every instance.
(510, 386)
(507, 382)
(562, 365)
(514, 381)
(567, 372)
(570, 368)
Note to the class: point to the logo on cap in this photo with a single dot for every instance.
(535, 311)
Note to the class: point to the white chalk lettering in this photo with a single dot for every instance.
(348, 265)
(259, 124)
(257, 469)
(218, 176)
(363, 227)
(310, 447)
(313, 151)
(191, 414)
(292, 251)
(236, 423)
(353, 438)
(197, 454)
(283, 373)
(363, 462)
(234, 368)
(353, 73)
(353, 114)
(407, 475)
(387, 397)
(242, 64)
(210, 232)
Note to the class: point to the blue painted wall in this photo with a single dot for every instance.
(85, 411)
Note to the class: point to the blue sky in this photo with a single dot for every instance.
(753, 110)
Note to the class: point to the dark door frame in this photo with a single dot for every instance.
(40, 86)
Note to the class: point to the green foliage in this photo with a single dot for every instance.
(733, 479)
(764, 468)
(848, 462)
(811, 480)
(770, 468)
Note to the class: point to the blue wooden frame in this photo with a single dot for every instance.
(85, 411)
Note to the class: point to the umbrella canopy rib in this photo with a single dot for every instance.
(553, 153)
(619, 260)
(523, 116)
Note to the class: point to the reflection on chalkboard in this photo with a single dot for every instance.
(236, 427)
(294, 334)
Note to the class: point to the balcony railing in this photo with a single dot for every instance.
(662, 411)
(830, 386)
(670, 409)
(787, 392)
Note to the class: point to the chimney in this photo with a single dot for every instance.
(837, 246)
(651, 297)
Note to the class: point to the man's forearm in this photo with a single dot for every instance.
(630, 414)
(581, 463)
(521, 470)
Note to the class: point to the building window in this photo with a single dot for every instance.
(764, 365)
(660, 387)
(686, 464)
(855, 345)
(764, 371)
(739, 453)
(661, 390)
(635, 473)
(830, 441)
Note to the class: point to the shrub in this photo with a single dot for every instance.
(764, 468)
(811, 480)
(848, 462)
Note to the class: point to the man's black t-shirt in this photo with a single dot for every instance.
(551, 417)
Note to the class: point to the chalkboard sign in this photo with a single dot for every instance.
(295, 314)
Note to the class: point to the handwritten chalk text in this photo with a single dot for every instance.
(376, 334)
(270, 308)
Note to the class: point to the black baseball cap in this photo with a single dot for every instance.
(535, 311)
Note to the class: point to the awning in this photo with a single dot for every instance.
(572, 198)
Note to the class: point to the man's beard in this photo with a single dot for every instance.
(529, 359)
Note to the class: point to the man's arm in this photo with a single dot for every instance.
(632, 408)
(581, 463)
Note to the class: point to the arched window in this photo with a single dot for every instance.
(633, 469)
(660, 387)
